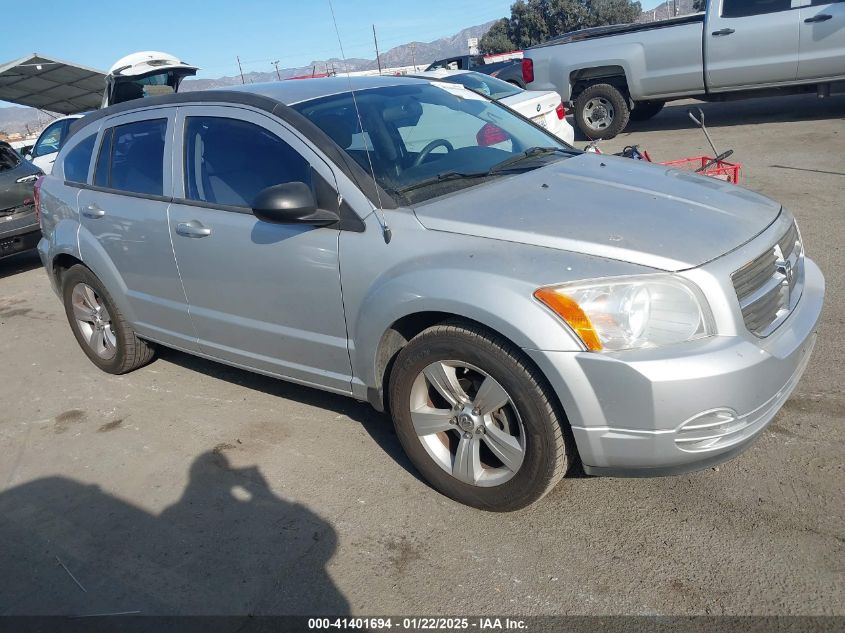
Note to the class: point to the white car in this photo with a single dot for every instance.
(544, 108)
(50, 141)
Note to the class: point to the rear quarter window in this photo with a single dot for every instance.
(78, 160)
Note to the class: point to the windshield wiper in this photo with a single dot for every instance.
(442, 177)
(531, 152)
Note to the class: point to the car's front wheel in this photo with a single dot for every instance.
(99, 327)
(476, 419)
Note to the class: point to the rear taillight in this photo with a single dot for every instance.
(491, 134)
(561, 111)
(527, 70)
(36, 190)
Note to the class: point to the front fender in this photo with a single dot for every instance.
(506, 306)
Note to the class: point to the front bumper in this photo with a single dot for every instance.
(685, 407)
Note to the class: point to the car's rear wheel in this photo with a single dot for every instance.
(476, 419)
(601, 111)
(99, 327)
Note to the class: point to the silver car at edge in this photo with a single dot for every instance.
(518, 306)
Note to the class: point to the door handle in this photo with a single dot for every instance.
(724, 32)
(821, 17)
(192, 229)
(93, 211)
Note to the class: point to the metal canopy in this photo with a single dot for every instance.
(51, 84)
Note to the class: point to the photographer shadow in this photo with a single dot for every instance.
(229, 546)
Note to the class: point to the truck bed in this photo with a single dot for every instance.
(617, 29)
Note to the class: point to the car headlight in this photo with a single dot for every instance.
(631, 312)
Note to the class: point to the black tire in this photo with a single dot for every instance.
(615, 98)
(130, 351)
(548, 450)
(645, 110)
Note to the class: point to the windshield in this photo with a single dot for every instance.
(424, 140)
(485, 84)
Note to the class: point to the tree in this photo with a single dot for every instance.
(497, 38)
(535, 21)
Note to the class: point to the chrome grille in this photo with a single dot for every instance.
(769, 286)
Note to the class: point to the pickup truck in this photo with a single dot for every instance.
(508, 70)
(736, 49)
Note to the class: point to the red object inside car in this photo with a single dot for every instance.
(491, 135)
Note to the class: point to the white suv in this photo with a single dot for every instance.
(47, 147)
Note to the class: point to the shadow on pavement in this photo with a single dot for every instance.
(20, 263)
(228, 546)
(729, 113)
(379, 426)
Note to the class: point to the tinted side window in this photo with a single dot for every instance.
(9, 158)
(137, 157)
(743, 8)
(78, 159)
(229, 161)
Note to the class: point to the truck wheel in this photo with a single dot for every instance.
(100, 329)
(644, 110)
(476, 419)
(601, 111)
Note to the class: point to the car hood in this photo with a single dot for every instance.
(610, 207)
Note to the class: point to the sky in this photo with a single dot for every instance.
(211, 33)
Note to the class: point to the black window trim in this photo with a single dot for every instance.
(110, 132)
(722, 15)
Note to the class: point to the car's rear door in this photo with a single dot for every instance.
(264, 296)
(750, 43)
(822, 53)
(125, 235)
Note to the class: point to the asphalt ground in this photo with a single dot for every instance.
(188, 487)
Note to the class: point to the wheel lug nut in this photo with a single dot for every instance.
(476, 411)
(467, 435)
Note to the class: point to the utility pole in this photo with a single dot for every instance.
(378, 60)
(243, 81)
(276, 64)
(414, 54)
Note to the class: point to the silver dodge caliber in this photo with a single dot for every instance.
(516, 305)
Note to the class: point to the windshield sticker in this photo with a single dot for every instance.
(458, 90)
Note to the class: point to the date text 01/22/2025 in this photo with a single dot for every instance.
(417, 624)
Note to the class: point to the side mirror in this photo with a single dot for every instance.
(291, 203)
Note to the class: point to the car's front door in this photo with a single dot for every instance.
(822, 52)
(125, 231)
(749, 43)
(264, 296)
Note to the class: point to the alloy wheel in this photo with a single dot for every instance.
(467, 423)
(599, 113)
(93, 320)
